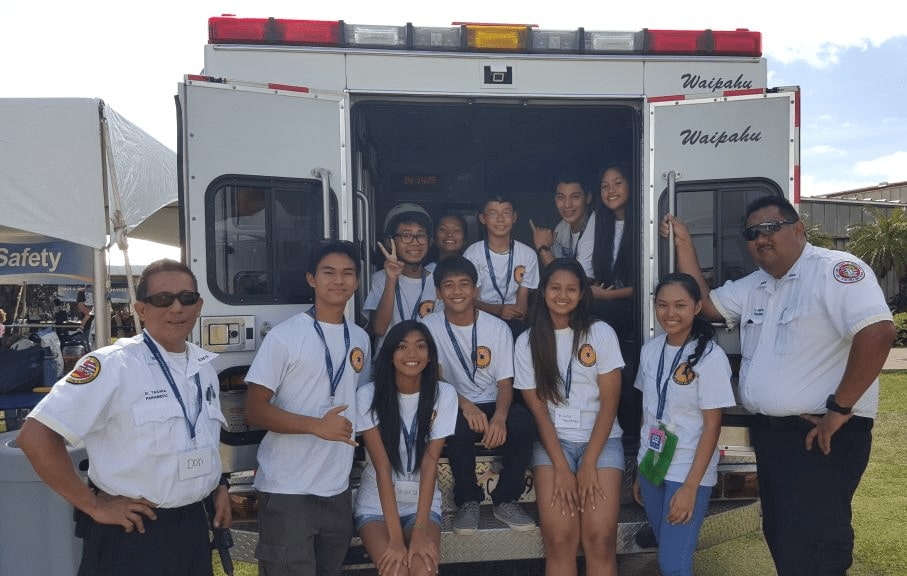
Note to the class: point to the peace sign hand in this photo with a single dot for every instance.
(393, 266)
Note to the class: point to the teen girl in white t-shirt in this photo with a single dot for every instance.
(573, 362)
(685, 379)
(398, 504)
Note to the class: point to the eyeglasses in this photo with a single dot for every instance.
(495, 215)
(165, 299)
(409, 237)
(765, 229)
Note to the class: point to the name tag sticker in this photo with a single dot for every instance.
(656, 439)
(567, 418)
(195, 463)
(406, 491)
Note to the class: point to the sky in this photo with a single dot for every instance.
(849, 64)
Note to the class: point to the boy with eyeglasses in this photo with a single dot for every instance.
(404, 289)
(507, 269)
(302, 390)
(148, 411)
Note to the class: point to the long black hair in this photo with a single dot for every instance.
(608, 270)
(385, 403)
(702, 330)
(542, 344)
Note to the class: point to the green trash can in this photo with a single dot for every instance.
(36, 523)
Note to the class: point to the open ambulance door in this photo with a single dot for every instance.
(707, 159)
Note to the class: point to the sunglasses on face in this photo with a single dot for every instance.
(765, 229)
(165, 299)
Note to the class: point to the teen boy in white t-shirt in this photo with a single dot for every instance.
(507, 269)
(574, 235)
(404, 289)
(302, 390)
(475, 350)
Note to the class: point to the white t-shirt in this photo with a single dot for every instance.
(494, 358)
(599, 353)
(291, 363)
(444, 421)
(119, 403)
(417, 297)
(796, 332)
(711, 388)
(523, 272)
(583, 242)
(618, 236)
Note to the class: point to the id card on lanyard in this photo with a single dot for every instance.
(565, 417)
(509, 273)
(408, 490)
(197, 461)
(658, 433)
(333, 377)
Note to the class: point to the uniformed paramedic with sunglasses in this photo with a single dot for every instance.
(148, 410)
(815, 331)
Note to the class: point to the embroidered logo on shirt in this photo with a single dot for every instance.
(683, 375)
(87, 370)
(848, 272)
(586, 355)
(483, 356)
(426, 308)
(357, 359)
(518, 273)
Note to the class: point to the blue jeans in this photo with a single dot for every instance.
(676, 542)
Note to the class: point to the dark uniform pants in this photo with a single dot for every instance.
(806, 495)
(176, 544)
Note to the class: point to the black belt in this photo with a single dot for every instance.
(798, 423)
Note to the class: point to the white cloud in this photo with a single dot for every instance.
(888, 168)
(812, 186)
(824, 151)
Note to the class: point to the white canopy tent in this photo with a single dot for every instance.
(75, 170)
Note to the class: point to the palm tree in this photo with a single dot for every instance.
(882, 244)
(817, 236)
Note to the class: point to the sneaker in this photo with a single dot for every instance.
(514, 516)
(466, 522)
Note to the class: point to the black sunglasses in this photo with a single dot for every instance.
(765, 229)
(165, 299)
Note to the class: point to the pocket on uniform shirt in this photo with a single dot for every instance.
(786, 339)
(156, 422)
(750, 332)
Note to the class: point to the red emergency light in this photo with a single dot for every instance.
(231, 30)
(740, 42)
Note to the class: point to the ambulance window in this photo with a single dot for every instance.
(713, 211)
(259, 237)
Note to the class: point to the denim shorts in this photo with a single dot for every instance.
(407, 521)
(612, 454)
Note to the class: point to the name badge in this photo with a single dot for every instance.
(195, 463)
(567, 418)
(406, 491)
(656, 439)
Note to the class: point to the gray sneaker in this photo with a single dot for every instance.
(466, 522)
(514, 516)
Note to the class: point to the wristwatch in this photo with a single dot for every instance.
(830, 404)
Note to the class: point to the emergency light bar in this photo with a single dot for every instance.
(474, 37)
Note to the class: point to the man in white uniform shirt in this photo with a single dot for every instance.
(302, 390)
(815, 332)
(475, 350)
(148, 410)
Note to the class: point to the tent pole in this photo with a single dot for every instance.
(101, 309)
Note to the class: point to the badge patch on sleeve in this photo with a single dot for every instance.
(586, 355)
(848, 272)
(357, 359)
(85, 371)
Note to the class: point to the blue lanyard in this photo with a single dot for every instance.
(568, 380)
(415, 314)
(409, 438)
(173, 387)
(494, 281)
(328, 362)
(575, 249)
(475, 345)
(662, 389)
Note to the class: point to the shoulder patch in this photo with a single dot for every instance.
(848, 272)
(426, 308)
(85, 371)
(586, 355)
(357, 359)
(518, 274)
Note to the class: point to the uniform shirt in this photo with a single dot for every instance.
(524, 271)
(494, 355)
(119, 403)
(686, 399)
(796, 332)
(444, 421)
(583, 242)
(417, 296)
(291, 363)
(598, 353)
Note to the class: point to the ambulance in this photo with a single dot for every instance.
(300, 130)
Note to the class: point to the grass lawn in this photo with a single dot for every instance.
(880, 507)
